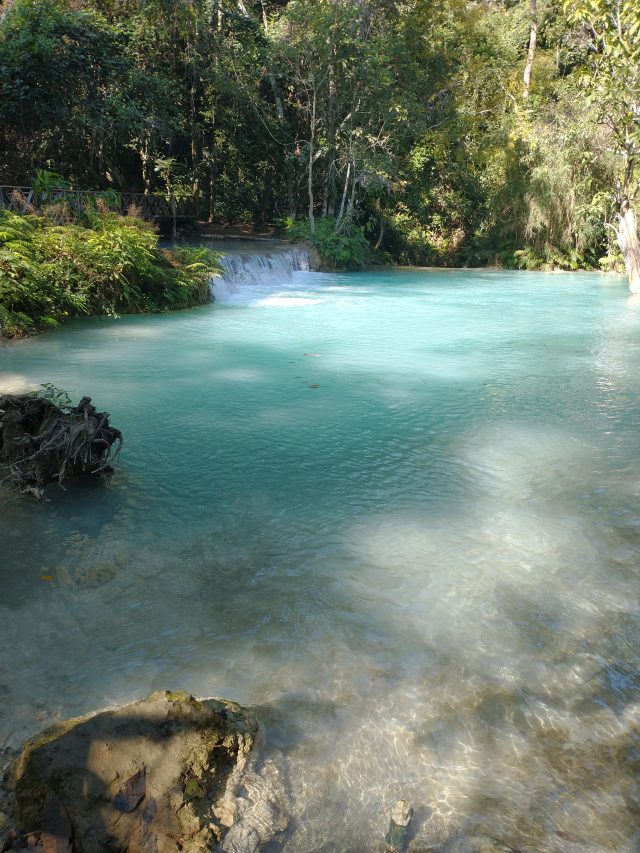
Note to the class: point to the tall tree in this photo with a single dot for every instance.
(531, 52)
(61, 71)
(611, 30)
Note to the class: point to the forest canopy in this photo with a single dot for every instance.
(453, 133)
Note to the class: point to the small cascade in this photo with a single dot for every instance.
(246, 271)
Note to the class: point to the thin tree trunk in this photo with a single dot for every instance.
(325, 191)
(378, 207)
(328, 203)
(213, 164)
(174, 216)
(344, 197)
(291, 189)
(312, 222)
(144, 159)
(533, 39)
(212, 192)
(272, 80)
(276, 95)
(195, 158)
(101, 167)
(195, 162)
(265, 201)
(196, 141)
(349, 215)
(630, 245)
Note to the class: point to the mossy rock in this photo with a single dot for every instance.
(185, 755)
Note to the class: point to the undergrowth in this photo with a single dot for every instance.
(347, 249)
(103, 264)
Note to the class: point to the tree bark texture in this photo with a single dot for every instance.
(533, 39)
(312, 138)
(630, 246)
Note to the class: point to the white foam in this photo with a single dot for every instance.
(264, 278)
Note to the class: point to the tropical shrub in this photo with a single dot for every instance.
(109, 264)
(347, 249)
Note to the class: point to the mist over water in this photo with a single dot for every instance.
(397, 511)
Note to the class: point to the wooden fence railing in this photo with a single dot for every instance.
(22, 199)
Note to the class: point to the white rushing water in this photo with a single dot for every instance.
(257, 273)
(399, 512)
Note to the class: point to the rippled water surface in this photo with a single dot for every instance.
(398, 511)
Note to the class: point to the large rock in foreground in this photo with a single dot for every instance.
(151, 777)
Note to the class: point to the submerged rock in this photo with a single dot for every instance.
(476, 844)
(261, 811)
(156, 776)
(397, 836)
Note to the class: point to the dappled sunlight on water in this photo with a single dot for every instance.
(397, 511)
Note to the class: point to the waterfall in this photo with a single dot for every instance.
(243, 273)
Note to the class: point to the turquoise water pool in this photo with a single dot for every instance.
(398, 511)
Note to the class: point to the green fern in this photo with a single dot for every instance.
(105, 264)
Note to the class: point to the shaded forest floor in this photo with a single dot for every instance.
(239, 231)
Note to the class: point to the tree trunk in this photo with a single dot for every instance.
(196, 141)
(630, 246)
(533, 39)
(174, 217)
(213, 164)
(380, 213)
(328, 203)
(195, 157)
(272, 80)
(145, 161)
(344, 198)
(312, 222)
(212, 192)
(291, 186)
(349, 214)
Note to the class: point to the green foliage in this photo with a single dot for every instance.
(109, 264)
(58, 396)
(407, 117)
(60, 71)
(44, 182)
(609, 76)
(341, 250)
(529, 259)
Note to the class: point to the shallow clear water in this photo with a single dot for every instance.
(399, 511)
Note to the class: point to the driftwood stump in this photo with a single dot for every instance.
(40, 442)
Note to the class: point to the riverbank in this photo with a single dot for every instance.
(52, 268)
(171, 774)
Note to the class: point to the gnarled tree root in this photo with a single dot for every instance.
(41, 443)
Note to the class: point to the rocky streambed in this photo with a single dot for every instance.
(173, 774)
